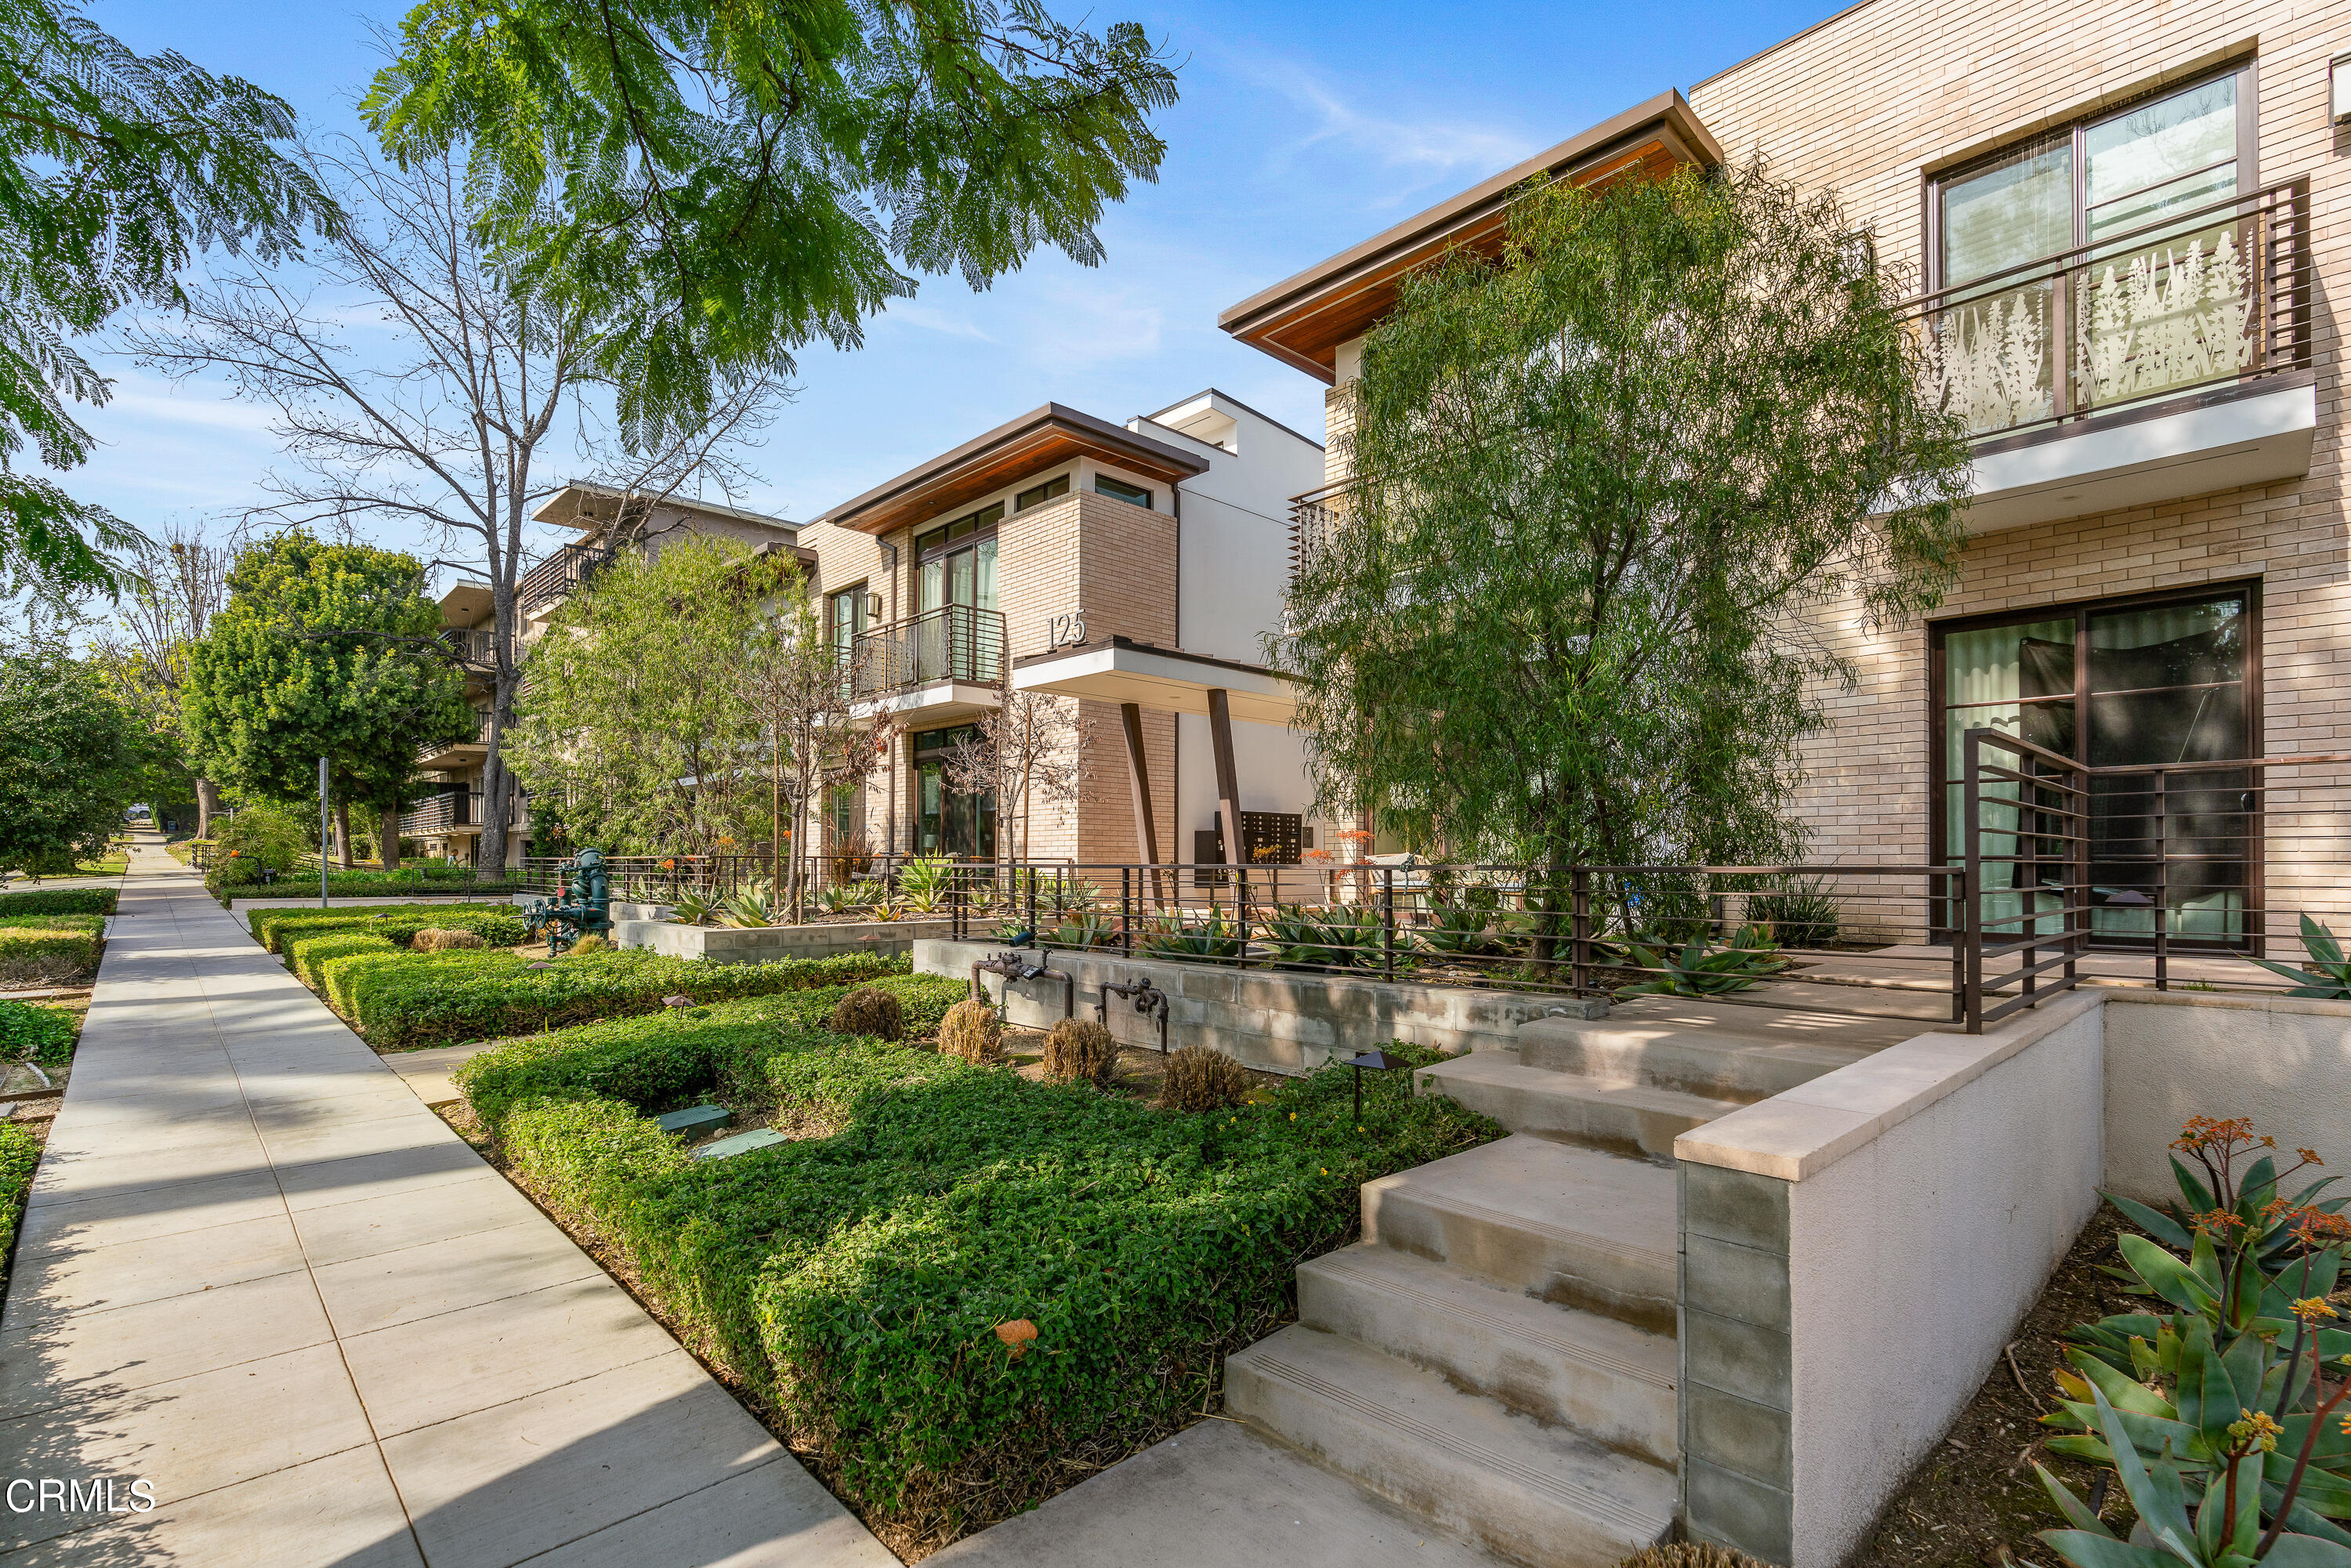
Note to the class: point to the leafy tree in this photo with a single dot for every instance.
(438, 425)
(1568, 610)
(721, 183)
(69, 761)
(181, 583)
(115, 168)
(325, 650)
(633, 731)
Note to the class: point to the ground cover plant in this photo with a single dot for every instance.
(498, 925)
(43, 1035)
(954, 1279)
(48, 948)
(403, 1000)
(20, 1155)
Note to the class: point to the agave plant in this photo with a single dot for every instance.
(1458, 931)
(692, 908)
(1083, 932)
(2324, 974)
(754, 905)
(923, 882)
(1701, 971)
(1180, 936)
(841, 897)
(1343, 937)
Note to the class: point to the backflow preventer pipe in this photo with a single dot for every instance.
(1149, 1000)
(1013, 966)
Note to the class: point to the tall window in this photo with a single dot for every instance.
(956, 563)
(2162, 295)
(948, 821)
(2116, 684)
(846, 614)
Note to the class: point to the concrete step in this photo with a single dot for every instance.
(1719, 1051)
(1569, 1225)
(1604, 1378)
(1543, 1495)
(1618, 1115)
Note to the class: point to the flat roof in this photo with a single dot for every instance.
(1302, 319)
(571, 507)
(1041, 438)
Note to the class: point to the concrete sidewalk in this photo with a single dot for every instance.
(258, 1275)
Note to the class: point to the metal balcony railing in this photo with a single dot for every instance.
(953, 642)
(567, 570)
(443, 813)
(2220, 294)
(481, 737)
(472, 643)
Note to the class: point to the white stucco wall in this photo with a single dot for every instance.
(1912, 1260)
(2281, 1060)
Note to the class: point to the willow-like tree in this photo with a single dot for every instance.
(1613, 487)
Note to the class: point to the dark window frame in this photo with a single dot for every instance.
(2078, 128)
(1148, 496)
(1037, 494)
(2080, 610)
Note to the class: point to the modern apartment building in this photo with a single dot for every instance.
(447, 825)
(2126, 223)
(1132, 569)
(2125, 233)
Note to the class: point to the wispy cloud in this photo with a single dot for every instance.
(1434, 147)
(928, 318)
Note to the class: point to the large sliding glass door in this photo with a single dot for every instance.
(948, 822)
(2117, 684)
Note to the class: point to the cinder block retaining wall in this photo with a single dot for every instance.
(765, 944)
(1263, 1018)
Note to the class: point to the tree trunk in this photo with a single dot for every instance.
(343, 832)
(490, 848)
(208, 802)
(387, 833)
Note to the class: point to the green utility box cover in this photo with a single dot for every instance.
(740, 1143)
(695, 1119)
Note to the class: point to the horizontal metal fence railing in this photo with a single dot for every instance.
(1841, 938)
(841, 885)
(2182, 875)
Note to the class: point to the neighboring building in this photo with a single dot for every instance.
(1134, 568)
(448, 824)
(2159, 566)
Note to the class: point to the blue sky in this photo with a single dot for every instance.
(1303, 128)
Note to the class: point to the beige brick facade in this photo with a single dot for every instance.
(1870, 104)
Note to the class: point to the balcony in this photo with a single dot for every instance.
(560, 575)
(454, 812)
(458, 752)
(2172, 360)
(470, 643)
(950, 647)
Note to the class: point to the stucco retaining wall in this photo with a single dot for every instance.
(2285, 1062)
(1856, 1253)
(1263, 1018)
(766, 944)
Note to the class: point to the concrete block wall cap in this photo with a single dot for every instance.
(1805, 1130)
(2229, 1001)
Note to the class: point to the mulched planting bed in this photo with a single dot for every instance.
(1975, 1500)
(953, 1291)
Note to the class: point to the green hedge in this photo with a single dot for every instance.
(45, 1035)
(306, 953)
(48, 947)
(20, 1156)
(856, 1280)
(668, 1059)
(226, 879)
(59, 901)
(497, 925)
(410, 1000)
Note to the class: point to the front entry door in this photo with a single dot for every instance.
(2122, 684)
(948, 822)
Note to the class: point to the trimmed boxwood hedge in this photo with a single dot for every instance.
(48, 947)
(57, 901)
(854, 1282)
(658, 1063)
(403, 1000)
(305, 955)
(497, 925)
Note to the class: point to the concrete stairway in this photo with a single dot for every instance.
(1498, 1352)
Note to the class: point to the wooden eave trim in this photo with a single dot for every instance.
(1667, 121)
(1040, 439)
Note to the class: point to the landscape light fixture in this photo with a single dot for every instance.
(1378, 1062)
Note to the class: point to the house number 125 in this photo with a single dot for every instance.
(1064, 631)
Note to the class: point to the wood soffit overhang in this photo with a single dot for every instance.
(1042, 438)
(1303, 321)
